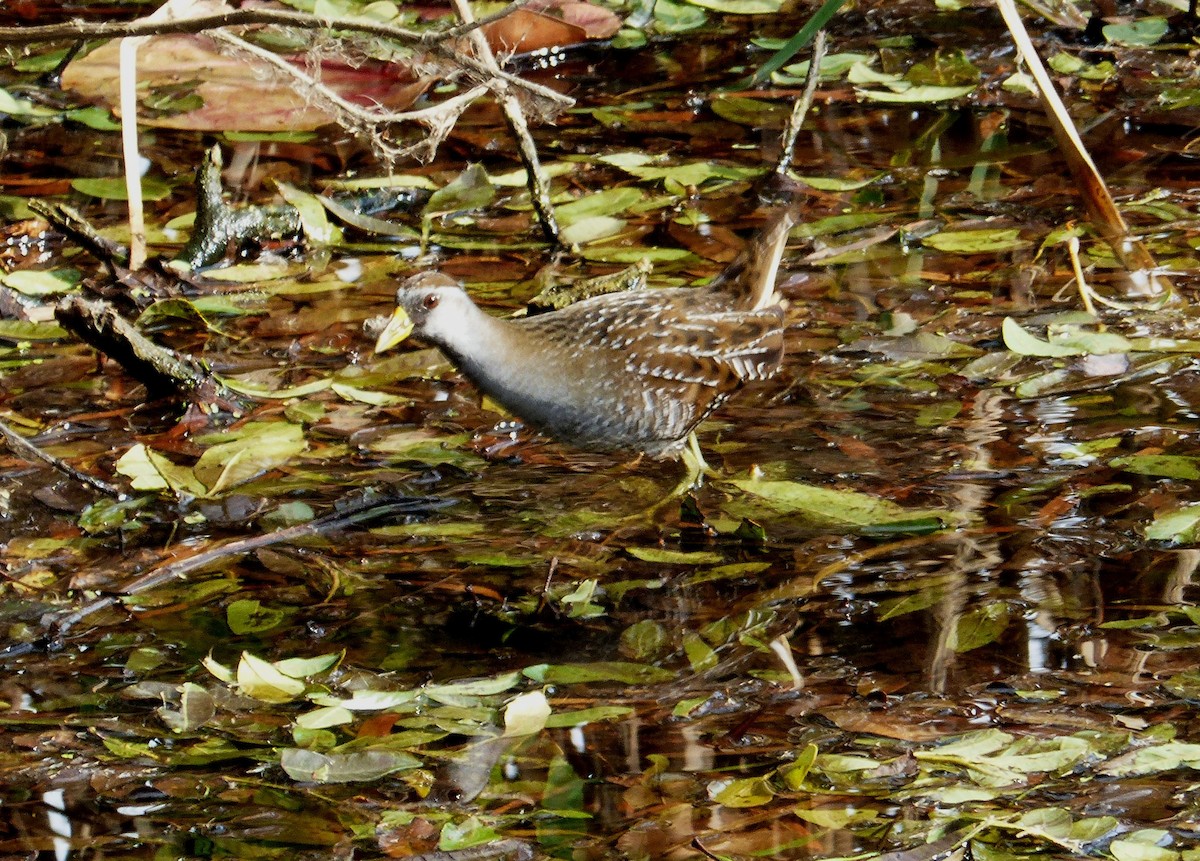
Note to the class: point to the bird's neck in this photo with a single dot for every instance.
(483, 347)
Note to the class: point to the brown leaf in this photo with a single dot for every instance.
(525, 31)
(238, 93)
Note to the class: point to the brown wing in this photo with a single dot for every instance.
(657, 362)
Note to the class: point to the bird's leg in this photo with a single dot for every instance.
(697, 466)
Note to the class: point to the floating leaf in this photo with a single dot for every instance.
(601, 671)
(1146, 844)
(313, 767)
(470, 832)
(611, 201)
(741, 7)
(822, 504)
(744, 792)
(916, 94)
(471, 189)
(1181, 526)
(980, 626)
(1068, 340)
(114, 188)
(325, 717)
(263, 681)
(674, 557)
(24, 330)
(526, 714)
(587, 716)
(983, 241)
(1143, 31)
(1163, 465)
(250, 617)
(41, 282)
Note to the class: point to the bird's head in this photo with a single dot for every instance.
(429, 305)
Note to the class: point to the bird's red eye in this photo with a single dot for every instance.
(430, 301)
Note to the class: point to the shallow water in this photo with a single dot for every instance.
(1040, 609)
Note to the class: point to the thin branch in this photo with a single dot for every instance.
(437, 41)
(536, 179)
(801, 106)
(23, 448)
(1143, 278)
(361, 512)
(360, 119)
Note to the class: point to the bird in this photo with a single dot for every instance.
(632, 371)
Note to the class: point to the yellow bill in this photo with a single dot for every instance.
(399, 326)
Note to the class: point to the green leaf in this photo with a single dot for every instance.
(113, 188)
(471, 189)
(674, 17)
(263, 681)
(23, 330)
(689, 174)
(300, 668)
(1144, 31)
(591, 229)
(248, 616)
(845, 222)
(826, 505)
(247, 452)
(600, 671)
(312, 767)
(41, 282)
(463, 835)
(612, 201)
(675, 557)
(982, 241)
(920, 94)
(794, 773)
(1162, 465)
(1154, 760)
(1065, 340)
(644, 640)
(148, 470)
(582, 717)
(465, 692)
(741, 7)
(317, 227)
(744, 792)
(1179, 526)
(980, 626)
(1148, 844)
(325, 717)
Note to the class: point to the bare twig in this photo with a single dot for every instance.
(22, 447)
(439, 42)
(1143, 278)
(536, 179)
(159, 369)
(371, 509)
(438, 118)
(80, 29)
(801, 106)
(127, 75)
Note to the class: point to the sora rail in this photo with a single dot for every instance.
(632, 371)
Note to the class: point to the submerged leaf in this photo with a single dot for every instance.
(827, 505)
(314, 767)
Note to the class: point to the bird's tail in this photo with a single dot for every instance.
(750, 278)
